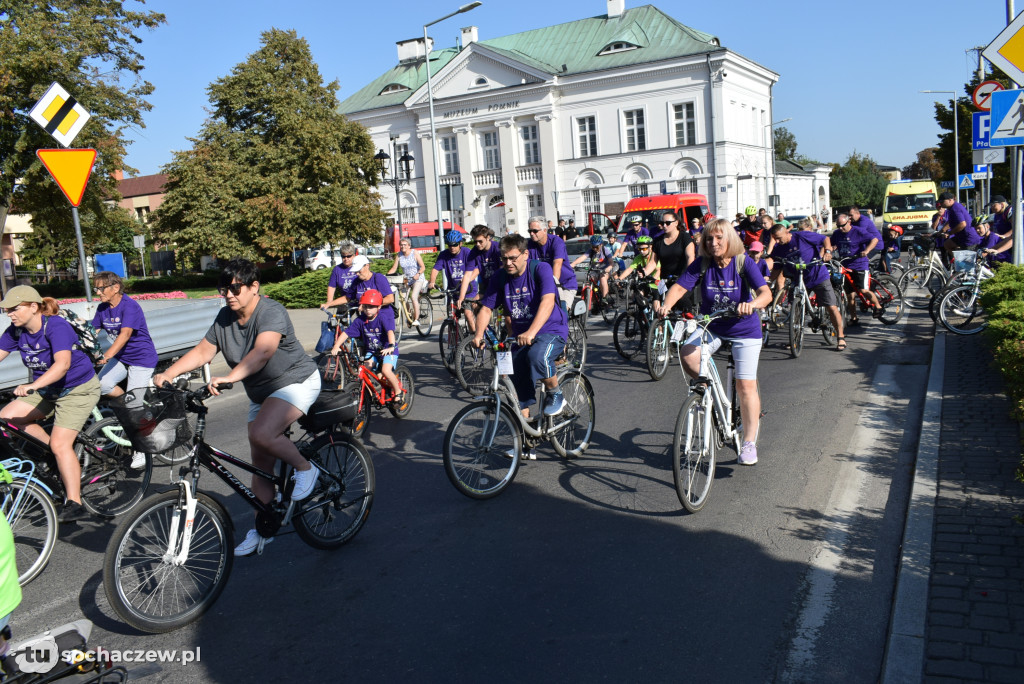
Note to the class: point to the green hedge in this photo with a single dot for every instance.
(61, 289)
(1003, 301)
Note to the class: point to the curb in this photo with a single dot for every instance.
(905, 651)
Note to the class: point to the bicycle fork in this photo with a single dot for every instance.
(180, 555)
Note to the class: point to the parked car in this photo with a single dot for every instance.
(322, 258)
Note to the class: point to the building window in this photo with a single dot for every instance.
(617, 46)
(687, 186)
(401, 149)
(535, 203)
(450, 150)
(394, 88)
(142, 214)
(638, 190)
(686, 126)
(408, 214)
(531, 146)
(636, 138)
(587, 128)
(591, 200)
(492, 155)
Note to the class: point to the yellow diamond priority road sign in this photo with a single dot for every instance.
(60, 115)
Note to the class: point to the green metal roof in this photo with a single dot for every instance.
(575, 45)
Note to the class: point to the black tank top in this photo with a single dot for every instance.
(672, 257)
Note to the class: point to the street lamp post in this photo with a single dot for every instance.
(433, 129)
(396, 181)
(775, 174)
(956, 139)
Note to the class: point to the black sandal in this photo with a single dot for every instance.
(841, 344)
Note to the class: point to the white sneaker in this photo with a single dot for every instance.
(305, 481)
(138, 461)
(251, 541)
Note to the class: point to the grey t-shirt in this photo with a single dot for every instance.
(289, 365)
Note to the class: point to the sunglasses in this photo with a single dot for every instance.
(533, 231)
(101, 288)
(349, 256)
(667, 223)
(510, 259)
(233, 288)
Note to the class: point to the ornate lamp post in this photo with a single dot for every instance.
(397, 180)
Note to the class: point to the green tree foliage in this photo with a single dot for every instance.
(925, 166)
(90, 48)
(275, 167)
(858, 181)
(785, 143)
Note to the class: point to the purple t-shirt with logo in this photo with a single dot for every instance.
(553, 249)
(633, 233)
(37, 351)
(848, 244)
(1001, 225)
(989, 242)
(803, 246)
(488, 262)
(341, 278)
(376, 282)
(455, 267)
(373, 333)
(521, 297)
(139, 351)
(722, 288)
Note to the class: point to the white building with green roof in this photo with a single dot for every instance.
(586, 114)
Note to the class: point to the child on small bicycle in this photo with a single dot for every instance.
(377, 330)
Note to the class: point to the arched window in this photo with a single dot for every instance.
(394, 88)
(617, 46)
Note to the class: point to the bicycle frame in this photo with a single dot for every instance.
(722, 395)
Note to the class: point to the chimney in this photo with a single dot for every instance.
(412, 49)
(469, 35)
(119, 175)
(616, 8)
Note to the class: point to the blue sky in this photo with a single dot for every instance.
(849, 72)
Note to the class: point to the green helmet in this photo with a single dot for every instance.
(750, 211)
(644, 240)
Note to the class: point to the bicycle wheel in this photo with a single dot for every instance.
(110, 486)
(573, 438)
(797, 316)
(426, 319)
(398, 309)
(576, 344)
(482, 447)
(449, 339)
(474, 367)
(887, 289)
(610, 307)
(918, 285)
(780, 311)
(33, 519)
(828, 328)
(629, 334)
(658, 349)
(145, 584)
(362, 419)
(400, 409)
(960, 311)
(340, 504)
(693, 453)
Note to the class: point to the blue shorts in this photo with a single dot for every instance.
(534, 363)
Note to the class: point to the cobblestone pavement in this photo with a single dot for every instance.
(975, 624)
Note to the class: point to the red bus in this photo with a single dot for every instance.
(422, 235)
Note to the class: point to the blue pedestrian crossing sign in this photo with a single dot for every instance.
(966, 182)
(1007, 126)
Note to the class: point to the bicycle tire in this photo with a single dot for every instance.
(474, 367)
(362, 417)
(143, 586)
(918, 286)
(448, 339)
(828, 328)
(797, 317)
(887, 289)
(573, 439)
(610, 308)
(34, 525)
(693, 453)
(408, 383)
(629, 334)
(658, 354)
(477, 470)
(960, 311)
(110, 486)
(781, 308)
(426, 318)
(341, 502)
(576, 344)
(399, 312)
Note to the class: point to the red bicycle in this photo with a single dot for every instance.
(376, 392)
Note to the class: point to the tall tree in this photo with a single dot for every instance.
(785, 143)
(90, 48)
(857, 182)
(275, 167)
(925, 166)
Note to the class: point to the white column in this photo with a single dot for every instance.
(427, 151)
(548, 163)
(508, 144)
(466, 144)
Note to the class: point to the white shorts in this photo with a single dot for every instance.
(301, 395)
(745, 351)
(114, 372)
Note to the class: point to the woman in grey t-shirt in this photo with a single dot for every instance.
(258, 341)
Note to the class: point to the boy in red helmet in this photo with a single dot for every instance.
(376, 327)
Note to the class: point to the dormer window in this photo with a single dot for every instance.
(394, 88)
(479, 82)
(617, 46)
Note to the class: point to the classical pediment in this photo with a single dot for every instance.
(479, 70)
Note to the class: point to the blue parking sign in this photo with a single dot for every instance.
(981, 128)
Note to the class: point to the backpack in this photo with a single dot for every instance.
(705, 263)
(531, 267)
(88, 338)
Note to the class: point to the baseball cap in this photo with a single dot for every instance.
(997, 198)
(18, 295)
(756, 246)
(358, 262)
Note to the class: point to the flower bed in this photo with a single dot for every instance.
(137, 297)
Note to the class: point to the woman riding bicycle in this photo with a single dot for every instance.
(63, 383)
(722, 287)
(413, 270)
(258, 341)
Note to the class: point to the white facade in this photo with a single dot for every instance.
(528, 141)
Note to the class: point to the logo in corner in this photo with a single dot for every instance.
(40, 656)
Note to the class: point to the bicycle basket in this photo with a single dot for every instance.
(965, 260)
(155, 421)
(332, 407)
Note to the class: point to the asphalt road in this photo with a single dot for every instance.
(584, 570)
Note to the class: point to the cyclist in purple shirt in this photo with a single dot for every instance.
(366, 280)
(852, 244)
(1000, 223)
(997, 248)
(528, 292)
(132, 354)
(483, 262)
(958, 222)
(342, 275)
(865, 223)
(551, 250)
(375, 326)
(722, 287)
(63, 383)
(454, 261)
(634, 231)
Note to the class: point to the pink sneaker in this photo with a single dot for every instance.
(748, 454)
